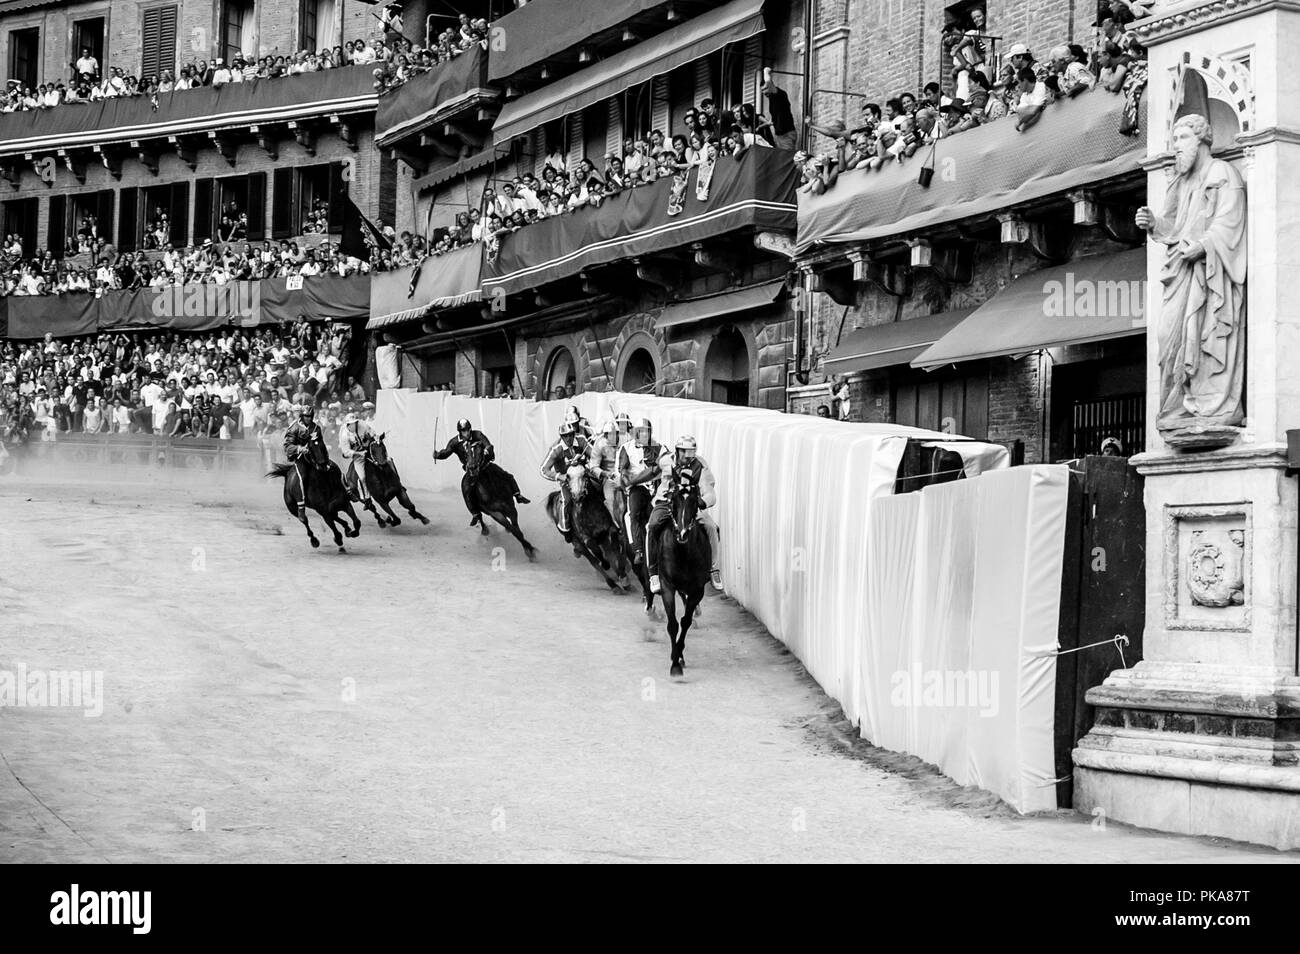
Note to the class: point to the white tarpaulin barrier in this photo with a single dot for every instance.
(799, 547)
(963, 582)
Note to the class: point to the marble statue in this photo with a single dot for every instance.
(1201, 333)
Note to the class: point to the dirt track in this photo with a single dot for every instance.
(502, 711)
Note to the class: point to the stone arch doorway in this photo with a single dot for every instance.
(727, 368)
(640, 372)
(561, 372)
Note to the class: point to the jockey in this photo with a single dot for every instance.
(572, 448)
(459, 445)
(682, 461)
(603, 460)
(574, 416)
(354, 438)
(297, 439)
(624, 425)
(638, 470)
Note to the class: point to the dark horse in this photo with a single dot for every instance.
(384, 484)
(684, 562)
(491, 490)
(638, 512)
(593, 528)
(325, 493)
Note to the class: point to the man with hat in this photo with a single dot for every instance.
(1021, 58)
(354, 438)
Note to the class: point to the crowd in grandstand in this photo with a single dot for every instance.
(399, 59)
(1019, 92)
(226, 385)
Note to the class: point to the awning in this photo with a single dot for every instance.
(551, 27)
(457, 169)
(883, 346)
(411, 293)
(1090, 299)
(14, 6)
(1076, 143)
(694, 39)
(726, 303)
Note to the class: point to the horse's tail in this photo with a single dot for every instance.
(279, 470)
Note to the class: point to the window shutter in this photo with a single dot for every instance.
(574, 155)
(614, 128)
(202, 209)
(703, 80)
(128, 220)
(659, 106)
(104, 211)
(180, 214)
(282, 203)
(337, 193)
(158, 41)
(56, 235)
(257, 207)
(753, 76)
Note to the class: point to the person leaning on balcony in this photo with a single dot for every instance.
(220, 72)
(1071, 76)
(1114, 67)
(778, 108)
(1033, 98)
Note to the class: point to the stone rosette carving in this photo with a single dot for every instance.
(1207, 554)
(1214, 570)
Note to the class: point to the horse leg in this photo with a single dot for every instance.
(405, 500)
(692, 602)
(291, 501)
(669, 599)
(370, 506)
(356, 521)
(331, 522)
(511, 523)
(393, 519)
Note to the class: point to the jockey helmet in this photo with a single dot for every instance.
(623, 421)
(350, 419)
(307, 412)
(463, 426)
(643, 425)
(608, 427)
(686, 448)
(568, 429)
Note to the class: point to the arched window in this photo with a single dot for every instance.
(639, 373)
(561, 373)
(726, 369)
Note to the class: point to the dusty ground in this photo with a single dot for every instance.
(418, 699)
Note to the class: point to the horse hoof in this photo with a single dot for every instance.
(314, 542)
(394, 521)
(483, 532)
(675, 669)
(343, 549)
(353, 533)
(531, 554)
(424, 520)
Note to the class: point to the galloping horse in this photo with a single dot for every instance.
(593, 528)
(324, 493)
(384, 484)
(684, 561)
(494, 495)
(638, 512)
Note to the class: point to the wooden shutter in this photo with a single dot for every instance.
(614, 127)
(56, 235)
(128, 220)
(158, 41)
(104, 211)
(282, 203)
(337, 193)
(202, 209)
(575, 145)
(257, 207)
(180, 214)
(659, 107)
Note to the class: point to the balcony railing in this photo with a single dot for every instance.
(256, 102)
(755, 191)
(433, 96)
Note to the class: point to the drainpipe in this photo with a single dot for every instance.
(806, 98)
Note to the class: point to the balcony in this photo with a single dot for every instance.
(425, 105)
(558, 33)
(441, 281)
(286, 101)
(978, 174)
(187, 307)
(747, 195)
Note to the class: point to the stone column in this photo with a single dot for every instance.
(1203, 736)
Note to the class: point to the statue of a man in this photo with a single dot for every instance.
(1202, 327)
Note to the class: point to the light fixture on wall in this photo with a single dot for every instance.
(629, 36)
(512, 91)
(584, 55)
(546, 72)
(673, 15)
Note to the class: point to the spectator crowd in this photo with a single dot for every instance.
(229, 385)
(398, 59)
(1019, 93)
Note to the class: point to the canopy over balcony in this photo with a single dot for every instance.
(657, 56)
(545, 28)
(433, 96)
(186, 307)
(440, 281)
(81, 125)
(1074, 144)
(888, 345)
(755, 191)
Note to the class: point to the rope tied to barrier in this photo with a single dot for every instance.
(1119, 641)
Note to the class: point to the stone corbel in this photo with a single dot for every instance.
(779, 243)
(715, 260)
(346, 131)
(439, 145)
(1118, 222)
(954, 264)
(468, 138)
(890, 279)
(184, 151)
(662, 276)
(305, 136)
(1017, 230)
(267, 140)
(75, 163)
(224, 145)
(111, 158)
(147, 157)
(836, 283)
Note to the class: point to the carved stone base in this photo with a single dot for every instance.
(1194, 435)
